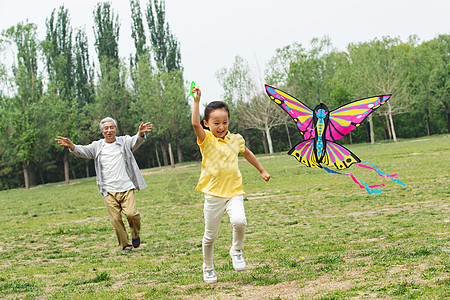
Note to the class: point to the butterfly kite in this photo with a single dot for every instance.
(321, 128)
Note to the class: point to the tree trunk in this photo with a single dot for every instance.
(119, 127)
(179, 152)
(288, 134)
(172, 160)
(86, 166)
(164, 152)
(427, 113)
(31, 174)
(41, 175)
(269, 140)
(372, 133)
(66, 165)
(394, 135)
(247, 138)
(264, 142)
(388, 127)
(157, 157)
(391, 121)
(384, 127)
(25, 175)
(447, 114)
(368, 132)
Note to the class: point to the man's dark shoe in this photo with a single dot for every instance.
(126, 250)
(136, 242)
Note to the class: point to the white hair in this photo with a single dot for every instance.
(108, 119)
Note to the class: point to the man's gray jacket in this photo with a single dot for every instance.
(127, 145)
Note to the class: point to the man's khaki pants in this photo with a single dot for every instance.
(125, 202)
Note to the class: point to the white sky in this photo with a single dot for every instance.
(213, 32)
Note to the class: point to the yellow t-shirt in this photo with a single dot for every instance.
(220, 175)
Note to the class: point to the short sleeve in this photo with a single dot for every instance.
(241, 144)
(208, 136)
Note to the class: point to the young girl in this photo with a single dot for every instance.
(221, 180)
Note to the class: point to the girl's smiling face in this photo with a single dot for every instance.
(218, 122)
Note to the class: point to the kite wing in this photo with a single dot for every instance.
(346, 118)
(305, 153)
(302, 114)
(338, 156)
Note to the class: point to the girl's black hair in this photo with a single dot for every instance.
(212, 106)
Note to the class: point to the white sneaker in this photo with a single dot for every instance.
(238, 260)
(208, 275)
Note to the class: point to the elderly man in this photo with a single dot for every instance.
(118, 175)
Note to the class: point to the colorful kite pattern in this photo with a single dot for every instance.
(320, 128)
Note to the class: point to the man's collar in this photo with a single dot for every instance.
(118, 141)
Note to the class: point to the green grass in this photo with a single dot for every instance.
(310, 234)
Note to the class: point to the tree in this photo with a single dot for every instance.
(106, 32)
(277, 74)
(26, 139)
(380, 68)
(307, 77)
(261, 114)
(238, 87)
(176, 111)
(236, 82)
(440, 77)
(426, 60)
(167, 55)
(144, 86)
(84, 92)
(57, 49)
(251, 107)
(137, 31)
(112, 95)
(83, 72)
(59, 53)
(359, 73)
(165, 46)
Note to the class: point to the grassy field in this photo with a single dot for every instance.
(310, 234)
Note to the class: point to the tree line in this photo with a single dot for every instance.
(53, 88)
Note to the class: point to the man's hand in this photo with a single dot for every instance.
(65, 142)
(143, 128)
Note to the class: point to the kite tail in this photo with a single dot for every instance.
(361, 183)
(382, 174)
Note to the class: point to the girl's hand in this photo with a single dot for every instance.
(199, 93)
(265, 175)
(195, 118)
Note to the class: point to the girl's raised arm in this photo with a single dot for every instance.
(195, 118)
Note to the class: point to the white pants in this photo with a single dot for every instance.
(213, 210)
